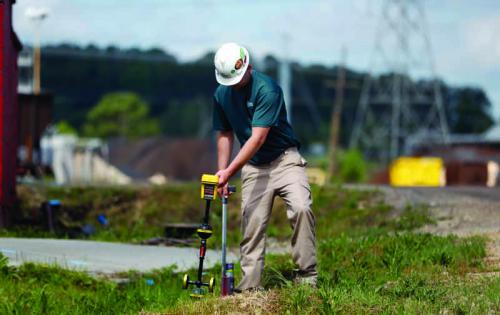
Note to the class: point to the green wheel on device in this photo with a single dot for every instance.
(185, 281)
(211, 285)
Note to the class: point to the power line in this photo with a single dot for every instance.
(395, 111)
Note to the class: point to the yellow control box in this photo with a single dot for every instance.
(209, 186)
(417, 171)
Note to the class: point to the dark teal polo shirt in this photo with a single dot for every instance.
(259, 104)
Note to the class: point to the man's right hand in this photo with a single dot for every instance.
(222, 188)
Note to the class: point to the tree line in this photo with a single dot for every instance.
(174, 98)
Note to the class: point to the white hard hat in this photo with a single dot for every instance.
(231, 61)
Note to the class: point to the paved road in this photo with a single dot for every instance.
(102, 257)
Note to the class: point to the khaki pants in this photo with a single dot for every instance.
(284, 177)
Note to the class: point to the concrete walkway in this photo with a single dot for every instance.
(102, 257)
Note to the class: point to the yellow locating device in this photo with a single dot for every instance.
(209, 186)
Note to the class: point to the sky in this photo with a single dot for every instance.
(464, 34)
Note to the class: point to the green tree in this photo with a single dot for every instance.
(470, 111)
(186, 118)
(121, 114)
(63, 127)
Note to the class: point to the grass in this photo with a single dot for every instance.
(135, 213)
(42, 289)
(399, 273)
(138, 213)
(368, 260)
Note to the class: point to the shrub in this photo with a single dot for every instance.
(352, 166)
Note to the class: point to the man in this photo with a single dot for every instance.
(250, 104)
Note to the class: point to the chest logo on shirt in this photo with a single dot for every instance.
(250, 108)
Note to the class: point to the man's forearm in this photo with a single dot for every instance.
(225, 140)
(246, 153)
(251, 147)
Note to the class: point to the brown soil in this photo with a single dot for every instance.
(265, 302)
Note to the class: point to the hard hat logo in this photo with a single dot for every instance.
(242, 54)
(239, 64)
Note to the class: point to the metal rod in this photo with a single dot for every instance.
(224, 233)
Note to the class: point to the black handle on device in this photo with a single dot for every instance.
(230, 189)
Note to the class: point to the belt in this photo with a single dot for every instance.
(278, 159)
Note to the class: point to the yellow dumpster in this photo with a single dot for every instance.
(417, 171)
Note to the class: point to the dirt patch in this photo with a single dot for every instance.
(493, 252)
(492, 259)
(250, 303)
(265, 302)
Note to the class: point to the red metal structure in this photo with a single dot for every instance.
(9, 48)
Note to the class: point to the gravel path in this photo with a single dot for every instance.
(458, 210)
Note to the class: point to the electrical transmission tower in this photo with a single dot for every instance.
(399, 109)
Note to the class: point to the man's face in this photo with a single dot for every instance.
(246, 78)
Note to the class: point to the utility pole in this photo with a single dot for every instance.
(395, 112)
(285, 76)
(336, 115)
(37, 15)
